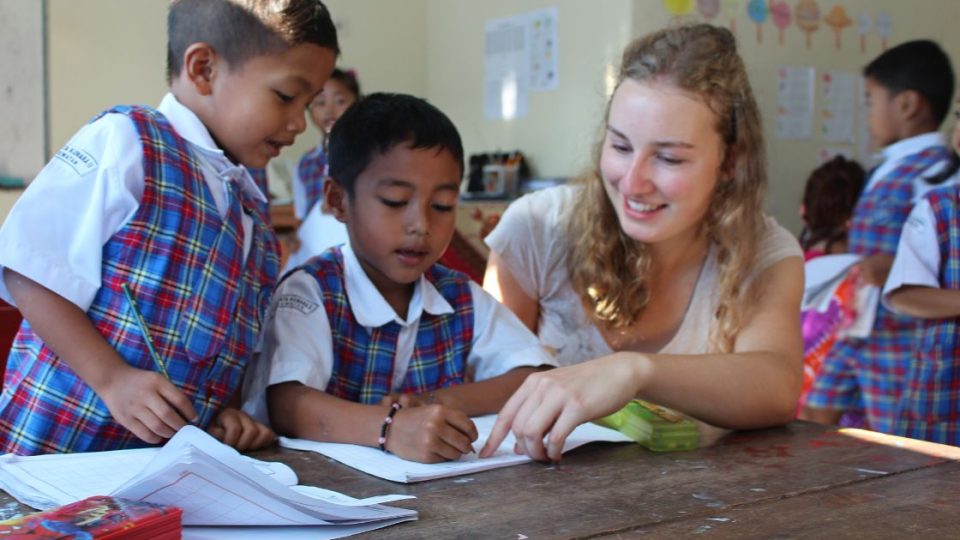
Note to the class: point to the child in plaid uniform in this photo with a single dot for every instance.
(375, 328)
(159, 203)
(909, 88)
(924, 282)
(340, 92)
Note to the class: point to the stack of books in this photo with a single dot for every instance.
(100, 517)
(658, 428)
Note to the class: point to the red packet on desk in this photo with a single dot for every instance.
(100, 517)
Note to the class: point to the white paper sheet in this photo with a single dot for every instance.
(390, 467)
(212, 483)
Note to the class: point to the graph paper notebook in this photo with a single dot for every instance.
(212, 483)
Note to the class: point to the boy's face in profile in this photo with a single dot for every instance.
(258, 108)
(881, 114)
(401, 215)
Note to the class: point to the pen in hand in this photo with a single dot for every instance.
(145, 331)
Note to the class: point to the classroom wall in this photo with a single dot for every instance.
(434, 48)
(561, 124)
(559, 130)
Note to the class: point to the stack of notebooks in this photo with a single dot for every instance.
(658, 428)
(100, 517)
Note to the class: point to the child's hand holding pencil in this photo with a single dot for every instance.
(147, 403)
(431, 434)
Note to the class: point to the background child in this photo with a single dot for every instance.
(924, 282)
(159, 201)
(829, 196)
(828, 200)
(339, 92)
(377, 316)
(320, 230)
(909, 88)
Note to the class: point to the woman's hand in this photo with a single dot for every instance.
(557, 401)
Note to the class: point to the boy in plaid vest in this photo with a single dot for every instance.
(909, 88)
(373, 343)
(151, 213)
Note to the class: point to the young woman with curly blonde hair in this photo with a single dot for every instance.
(658, 275)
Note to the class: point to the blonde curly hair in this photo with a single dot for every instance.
(610, 270)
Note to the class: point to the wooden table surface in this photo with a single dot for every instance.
(800, 481)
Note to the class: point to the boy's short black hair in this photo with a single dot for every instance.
(378, 122)
(239, 30)
(921, 66)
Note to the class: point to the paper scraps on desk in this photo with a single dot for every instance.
(212, 483)
(390, 467)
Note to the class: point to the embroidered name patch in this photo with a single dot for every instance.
(78, 160)
(291, 301)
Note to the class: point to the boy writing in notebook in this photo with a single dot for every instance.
(151, 212)
(373, 343)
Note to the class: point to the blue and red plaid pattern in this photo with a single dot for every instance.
(930, 408)
(875, 367)
(312, 171)
(161, 253)
(363, 362)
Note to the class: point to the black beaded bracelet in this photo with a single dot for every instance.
(394, 407)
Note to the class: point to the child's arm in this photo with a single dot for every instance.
(913, 287)
(144, 402)
(474, 399)
(925, 302)
(874, 269)
(428, 434)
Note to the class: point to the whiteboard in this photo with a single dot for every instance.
(23, 95)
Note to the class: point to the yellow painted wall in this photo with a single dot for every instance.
(98, 56)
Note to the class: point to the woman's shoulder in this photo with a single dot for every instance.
(775, 244)
(550, 206)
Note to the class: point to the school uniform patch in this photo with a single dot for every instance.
(299, 303)
(77, 159)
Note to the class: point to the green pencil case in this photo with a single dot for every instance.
(657, 428)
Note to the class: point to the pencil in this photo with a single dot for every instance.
(145, 330)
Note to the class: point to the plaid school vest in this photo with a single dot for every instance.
(363, 361)
(878, 219)
(931, 403)
(162, 253)
(312, 170)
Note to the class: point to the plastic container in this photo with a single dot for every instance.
(657, 428)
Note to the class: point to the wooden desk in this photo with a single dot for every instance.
(803, 480)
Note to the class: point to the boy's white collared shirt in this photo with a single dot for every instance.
(56, 231)
(918, 253)
(298, 345)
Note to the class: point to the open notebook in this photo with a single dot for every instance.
(212, 483)
(388, 466)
